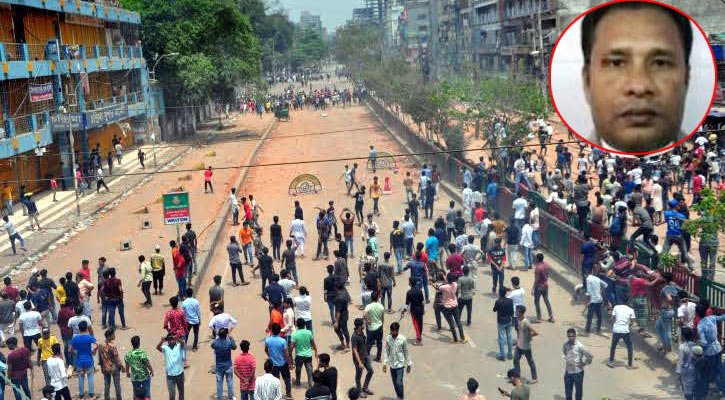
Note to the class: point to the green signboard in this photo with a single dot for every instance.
(176, 208)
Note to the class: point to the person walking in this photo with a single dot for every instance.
(386, 278)
(504, 309)
(45, 351)
(299, 233)
(397, 358)
(244, 367)
(275, 232)
(58, 375)
(111, 366)
(32, 209)
(100, 181)
(18, 363)
(208, 173)
(341, 316)
(374, 317)
(84, 346)
(138, 367)
(223, 346)
(233, 250)
(302, 345)
(594, 288)
(171, 346)
(576, 357)
(448, 289)
(113, 290)
(267, 386)
(523, 343)
(175, 324)
(235, 206)
(192, 314)
(541, 287)
(158, 270)
(623, 319)
(276, 349)
(466, 290)
(13, 234)
(145, 279)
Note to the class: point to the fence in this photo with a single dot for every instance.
(556, 228)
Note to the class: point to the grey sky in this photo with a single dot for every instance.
(333, 12)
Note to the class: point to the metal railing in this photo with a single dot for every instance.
(102, 51)
(14, 51)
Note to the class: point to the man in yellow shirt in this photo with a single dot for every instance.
(60, 294)
(8, 198)
(45, 351)
(375, 192)
(158, 270)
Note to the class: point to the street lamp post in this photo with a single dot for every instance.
(158, 59)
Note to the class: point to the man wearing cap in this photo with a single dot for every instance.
(158, 270)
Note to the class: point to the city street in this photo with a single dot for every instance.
(440, 368)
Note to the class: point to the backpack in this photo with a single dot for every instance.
(616, 228)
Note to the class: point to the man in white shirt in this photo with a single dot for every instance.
(221, 320)
(286, 283)
(686, 310)
(520, 205)
(369, 224)
(13, 234)
(594, 289)
(99, 180)
(30, 325)
(623, 319)
(467, 195)
(57, 373)
(517, 297)
(299, 233)
(235, 206)
(396, 356)
(267, 387)
(527, 243)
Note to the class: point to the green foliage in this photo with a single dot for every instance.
(309, 48)
(358, 47)
(455, 139)
(667, 260)
(218, 48)
(711, 221)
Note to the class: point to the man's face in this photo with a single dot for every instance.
(637, 80)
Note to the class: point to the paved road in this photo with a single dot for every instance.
(440, 367)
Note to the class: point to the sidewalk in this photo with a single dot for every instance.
(562, 275)
(58, 220)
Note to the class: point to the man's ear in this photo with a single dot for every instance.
(586, 82)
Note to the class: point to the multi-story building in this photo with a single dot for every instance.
(73, 78)
(378, 9)
(362, 16)
(407, 29)
(311, 22)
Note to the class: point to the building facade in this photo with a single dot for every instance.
(73, 78)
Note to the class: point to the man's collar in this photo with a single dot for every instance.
(601, 142)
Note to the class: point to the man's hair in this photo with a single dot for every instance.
(324, 358)
(590, 21)
(244, 346)
(472, 385)
(268, 366)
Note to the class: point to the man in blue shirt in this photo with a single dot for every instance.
(274, 292)
(710, 367)
(674, 220)
(276, 349)
(588, 250)
(408, 229)
(174, 362)
(491, 192)
(431, 246)
(223, 346)
(192, 313)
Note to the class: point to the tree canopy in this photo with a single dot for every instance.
(217, 46)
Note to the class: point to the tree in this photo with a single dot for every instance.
(217, 47)
(709, 224)
(309, 48)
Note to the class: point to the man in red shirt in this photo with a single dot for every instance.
(11, 290)
(66, 332)
(247, 211)
(454, 262)
(207, 180)
(638, 288)
(541, 287)
(19, 362)
(175, 324)
(179, 268)
(245, 366)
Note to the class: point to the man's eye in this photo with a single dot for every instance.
(614, 62)
(662, 63)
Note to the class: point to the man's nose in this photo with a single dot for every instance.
(639, 81)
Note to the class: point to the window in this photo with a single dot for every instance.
(422, 17)
(422, 28)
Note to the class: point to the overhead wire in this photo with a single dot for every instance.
(321, 161)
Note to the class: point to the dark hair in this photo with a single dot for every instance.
(135, 342)
(244, 346)
(472, 385)
(689, 334)
(590, 21)
(324, 358)
(353, 394)
(268, 366)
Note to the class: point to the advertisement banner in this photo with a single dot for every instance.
(176, 208)
(41, 92)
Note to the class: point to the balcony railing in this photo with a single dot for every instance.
(43, 52)
(25, 123)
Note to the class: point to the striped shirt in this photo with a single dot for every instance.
(245, 366)
(267, 387)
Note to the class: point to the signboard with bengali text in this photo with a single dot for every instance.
(176, 208)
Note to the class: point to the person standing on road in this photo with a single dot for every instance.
(466, 290)
(18, 362)
(267, 386)
(175, 324)
(113, 290)
(158, 270)
(235, 206)
(192, 313)
(341, 316)
(372, 159)
(396, 357)
(141, 158)
(111, 366)
(276, 349)
(323, 234)
(298, 233)
(375, 193)
(374, 316)
(223, 346)
(233, 249)
(448, 290)
(504, 309)
(472, 386)
(576, 357)
(361, 358)
(244, 367)
(523, 343)
(84, 346)
(207, 180)
(145, 279)
(179, 268)
(275, 232)
(138, 367)
(100, 181)
(13, 234)
(541, 287)
(289, 261)
(386, 278)
(623, 319)
(193, 246)
(594, 288)
(172, 347)
(302, 345)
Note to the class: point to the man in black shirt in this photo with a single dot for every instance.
(413, 206)
(330, 287)
(298, 210)
(266, 268)
(71, 291)
(459, 223)
(341, 316)
(414, 300)
(497, 254)
(318, 391)
(275, 231)
(361, 358)
(504, 309)
(328, 374)
(185, 250)
(274, 293)
(513, 236)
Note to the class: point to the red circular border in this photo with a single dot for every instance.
(712, 99)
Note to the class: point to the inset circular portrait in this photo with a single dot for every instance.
(633, 77)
